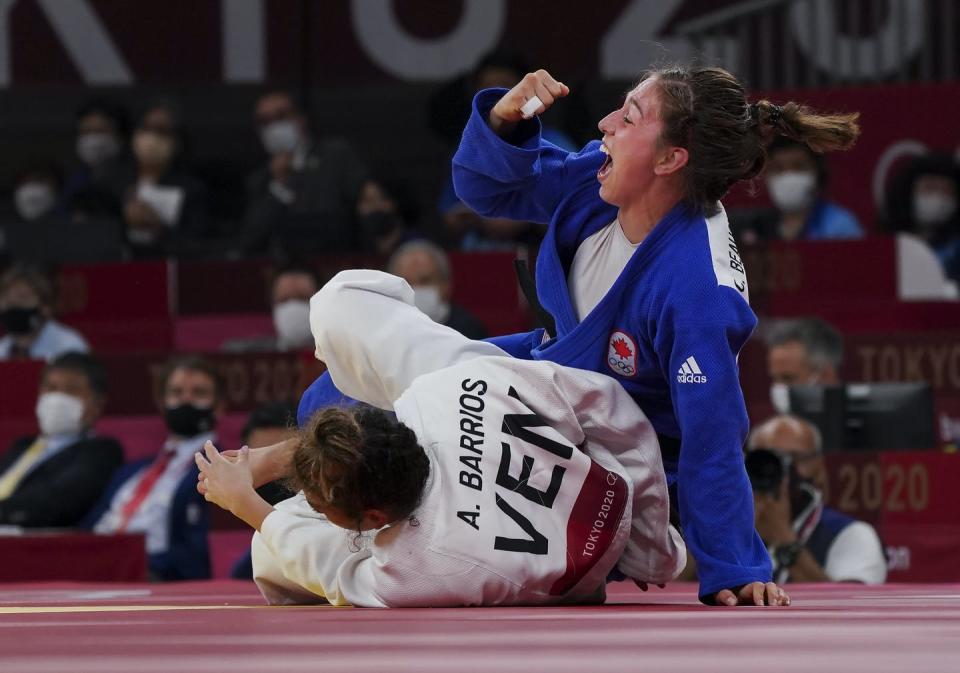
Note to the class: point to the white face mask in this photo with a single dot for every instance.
(59, 414)
(792, 191)
(34, 199)
(280, 136)
(291, 319)
(933, 208)
(780, 397)
(95, 149)
(427, 299)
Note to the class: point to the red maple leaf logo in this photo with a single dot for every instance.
(622, 349)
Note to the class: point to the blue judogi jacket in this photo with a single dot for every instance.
(669, 330)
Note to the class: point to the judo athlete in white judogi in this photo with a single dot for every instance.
(542, 478)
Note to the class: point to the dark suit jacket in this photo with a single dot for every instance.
(62, 489)
(188, 555)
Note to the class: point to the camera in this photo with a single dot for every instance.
(766, 470)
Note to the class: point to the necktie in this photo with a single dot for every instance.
(13, 476)
(143, 488)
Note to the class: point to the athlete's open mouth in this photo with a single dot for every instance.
(607, 163)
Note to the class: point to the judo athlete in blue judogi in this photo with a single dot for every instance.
(642, 277)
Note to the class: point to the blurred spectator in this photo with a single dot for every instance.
(922, 200)
(387, 215)
(267, 425)
(425, 266)
(53, 479)
(163, 204)
(48, 229)
(808, 542)
(796, 180)
(36, 195)
(305, 196)
(27, 302)
(805, 351)
(158, 496)
(103, 130)
(290, 295)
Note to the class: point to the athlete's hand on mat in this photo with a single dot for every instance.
(755, 593)
(507, 112)
(225, 482)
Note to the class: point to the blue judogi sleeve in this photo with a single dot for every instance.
(697, 347)
(519, 345)
(322, 393)
(520, 177)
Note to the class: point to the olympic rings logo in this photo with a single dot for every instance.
(624, 367)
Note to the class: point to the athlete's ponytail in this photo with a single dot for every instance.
(820, 132)
(705, 110)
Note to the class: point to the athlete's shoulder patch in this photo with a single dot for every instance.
(622, 354)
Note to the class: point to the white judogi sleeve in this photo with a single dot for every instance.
(375, 342)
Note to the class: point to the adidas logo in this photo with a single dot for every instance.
(690, 372)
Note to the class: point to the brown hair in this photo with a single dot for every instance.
(194, 363)
(359, 459)
(705, 110)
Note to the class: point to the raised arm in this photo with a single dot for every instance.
(503, 168)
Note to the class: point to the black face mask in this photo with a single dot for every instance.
(379, 224)
(20, 320)
(186, 420)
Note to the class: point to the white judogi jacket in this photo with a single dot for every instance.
(543, 478)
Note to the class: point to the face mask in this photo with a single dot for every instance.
(34, 199)
(933, 208)
(427, 299)
(376, 225)
(59, 414)
(280, 136)
(20, 320)
(187, 420)
(780, 397)
(95, 149)
(792, 191)
(291, 319)
(152, 148)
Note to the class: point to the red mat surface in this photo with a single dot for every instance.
(222, 626)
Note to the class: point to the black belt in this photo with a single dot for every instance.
(530, 292)
(669, 449)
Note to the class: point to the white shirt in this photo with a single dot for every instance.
(597, 264)
(54, 339)
(856, 555)
(153, 515)
(594, 495)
